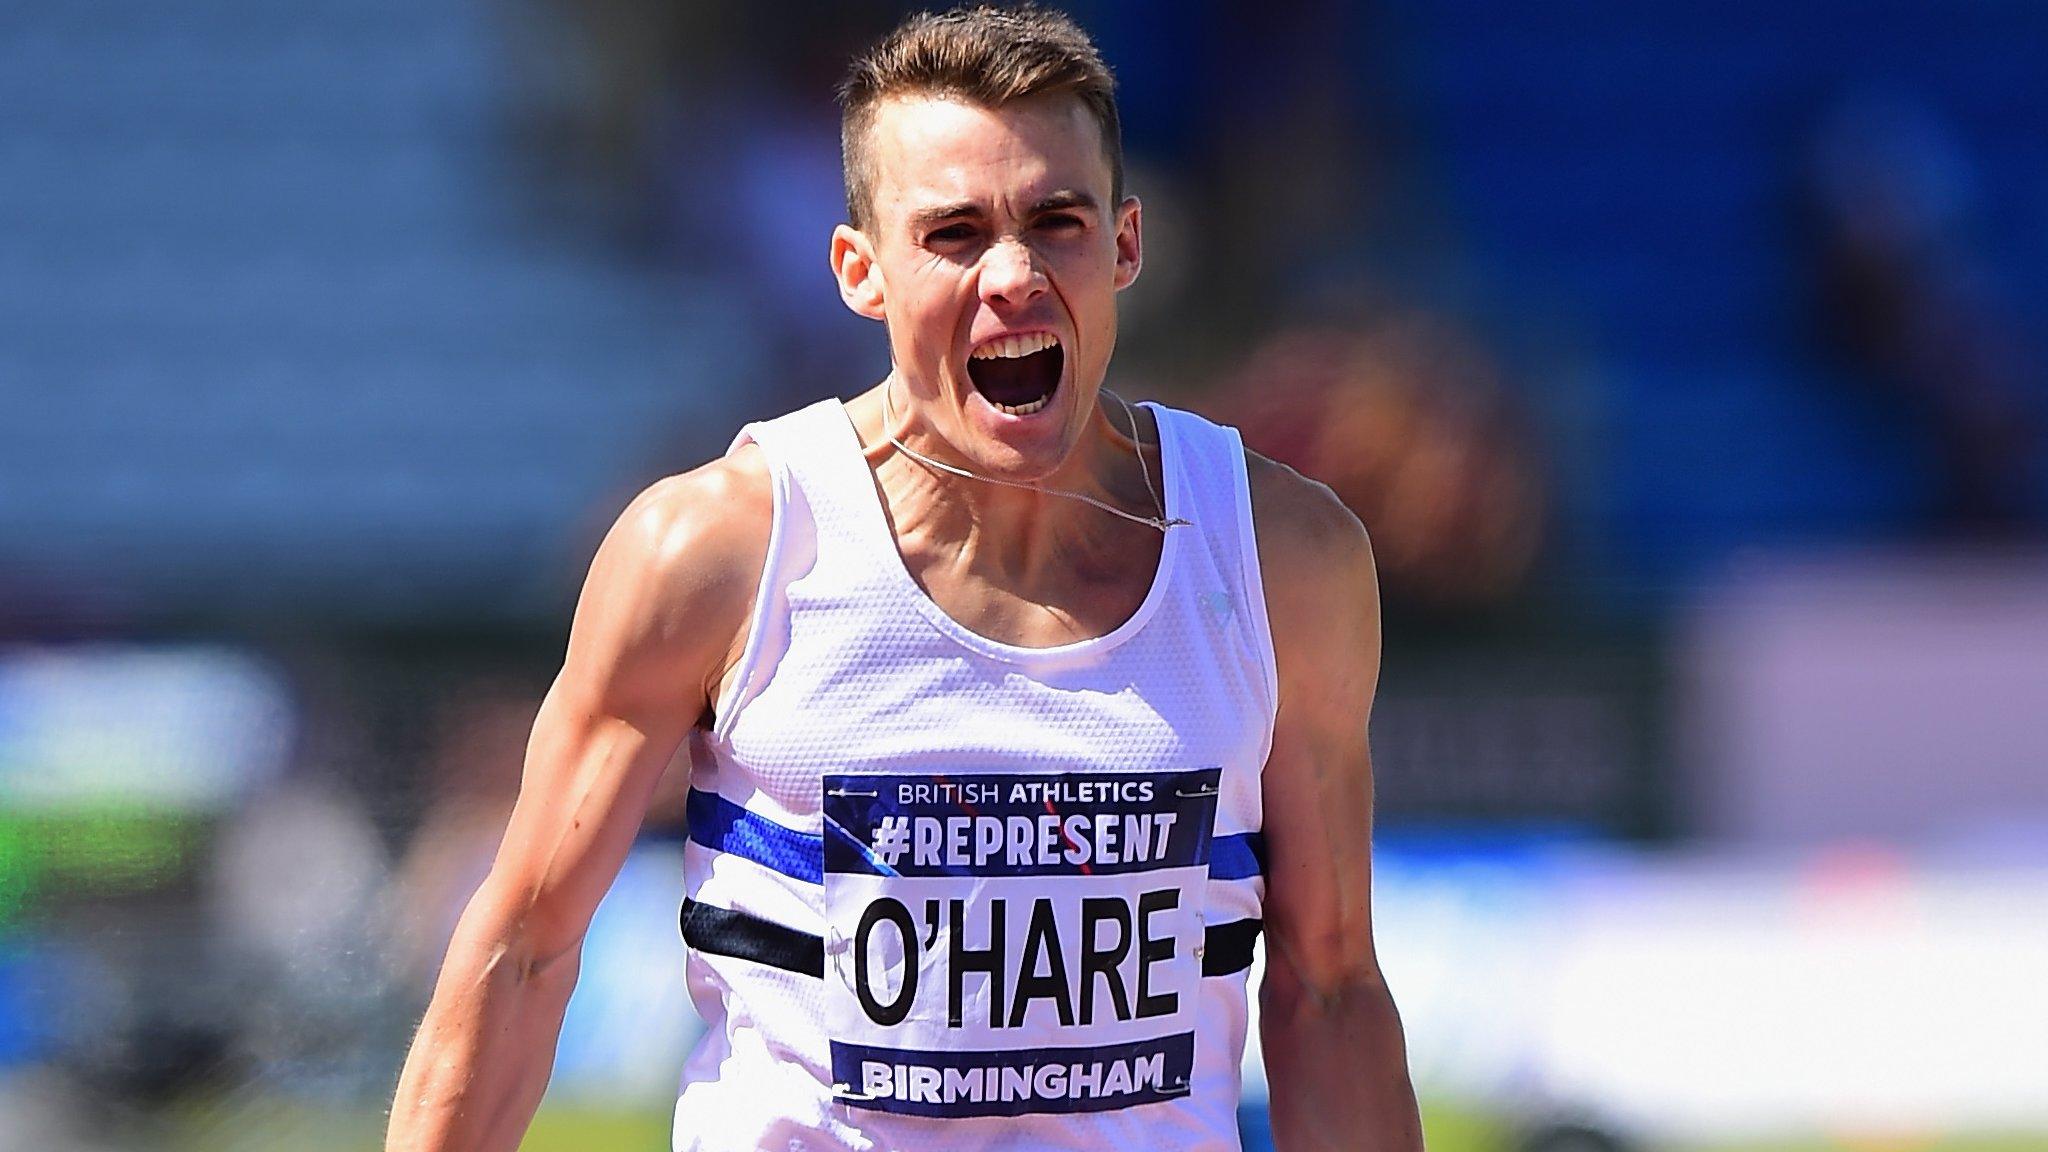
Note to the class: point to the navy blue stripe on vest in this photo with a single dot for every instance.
(721, 825)
(1238, 857)
(718, 823)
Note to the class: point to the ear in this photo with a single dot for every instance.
(1130, 248)
(853, 264)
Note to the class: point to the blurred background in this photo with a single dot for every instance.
(1685, 361)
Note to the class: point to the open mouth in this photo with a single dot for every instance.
(1018, 374)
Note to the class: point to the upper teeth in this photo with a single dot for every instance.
(1011, 347)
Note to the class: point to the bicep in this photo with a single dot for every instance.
(650, 634)
(1317, 786)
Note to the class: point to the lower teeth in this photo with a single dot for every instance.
(1023, 409)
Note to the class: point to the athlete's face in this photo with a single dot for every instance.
(994, 255)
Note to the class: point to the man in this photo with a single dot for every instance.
(1007, 725)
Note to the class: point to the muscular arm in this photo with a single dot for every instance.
(1335, 1058)
(667, 595)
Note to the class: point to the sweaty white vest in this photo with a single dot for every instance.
(951, 893)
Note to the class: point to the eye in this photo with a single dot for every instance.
(1061, 222)
(951, 234)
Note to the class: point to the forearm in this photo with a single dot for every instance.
(481, 1060)
(1337, 1070)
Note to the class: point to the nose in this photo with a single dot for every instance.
(1009, 274)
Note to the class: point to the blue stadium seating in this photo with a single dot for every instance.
(1641, 161)
(278, 328)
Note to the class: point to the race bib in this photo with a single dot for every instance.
(1006, 944)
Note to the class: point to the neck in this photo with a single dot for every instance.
(1102, 498)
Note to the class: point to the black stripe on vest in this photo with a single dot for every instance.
(1226, 948)
(724, 932)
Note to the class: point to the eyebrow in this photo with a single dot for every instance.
(1064, 199)
(939, 214)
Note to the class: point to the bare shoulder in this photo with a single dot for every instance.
(707, 523)
(673, 582)
(1312, 549)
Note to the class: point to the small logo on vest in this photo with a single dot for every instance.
(1218, 604)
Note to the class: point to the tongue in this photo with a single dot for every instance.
(1019, 380)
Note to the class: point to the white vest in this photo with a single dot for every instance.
(951, 893)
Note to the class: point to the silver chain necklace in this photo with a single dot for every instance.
(1160, 521)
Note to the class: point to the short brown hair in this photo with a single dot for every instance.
(984, 54)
